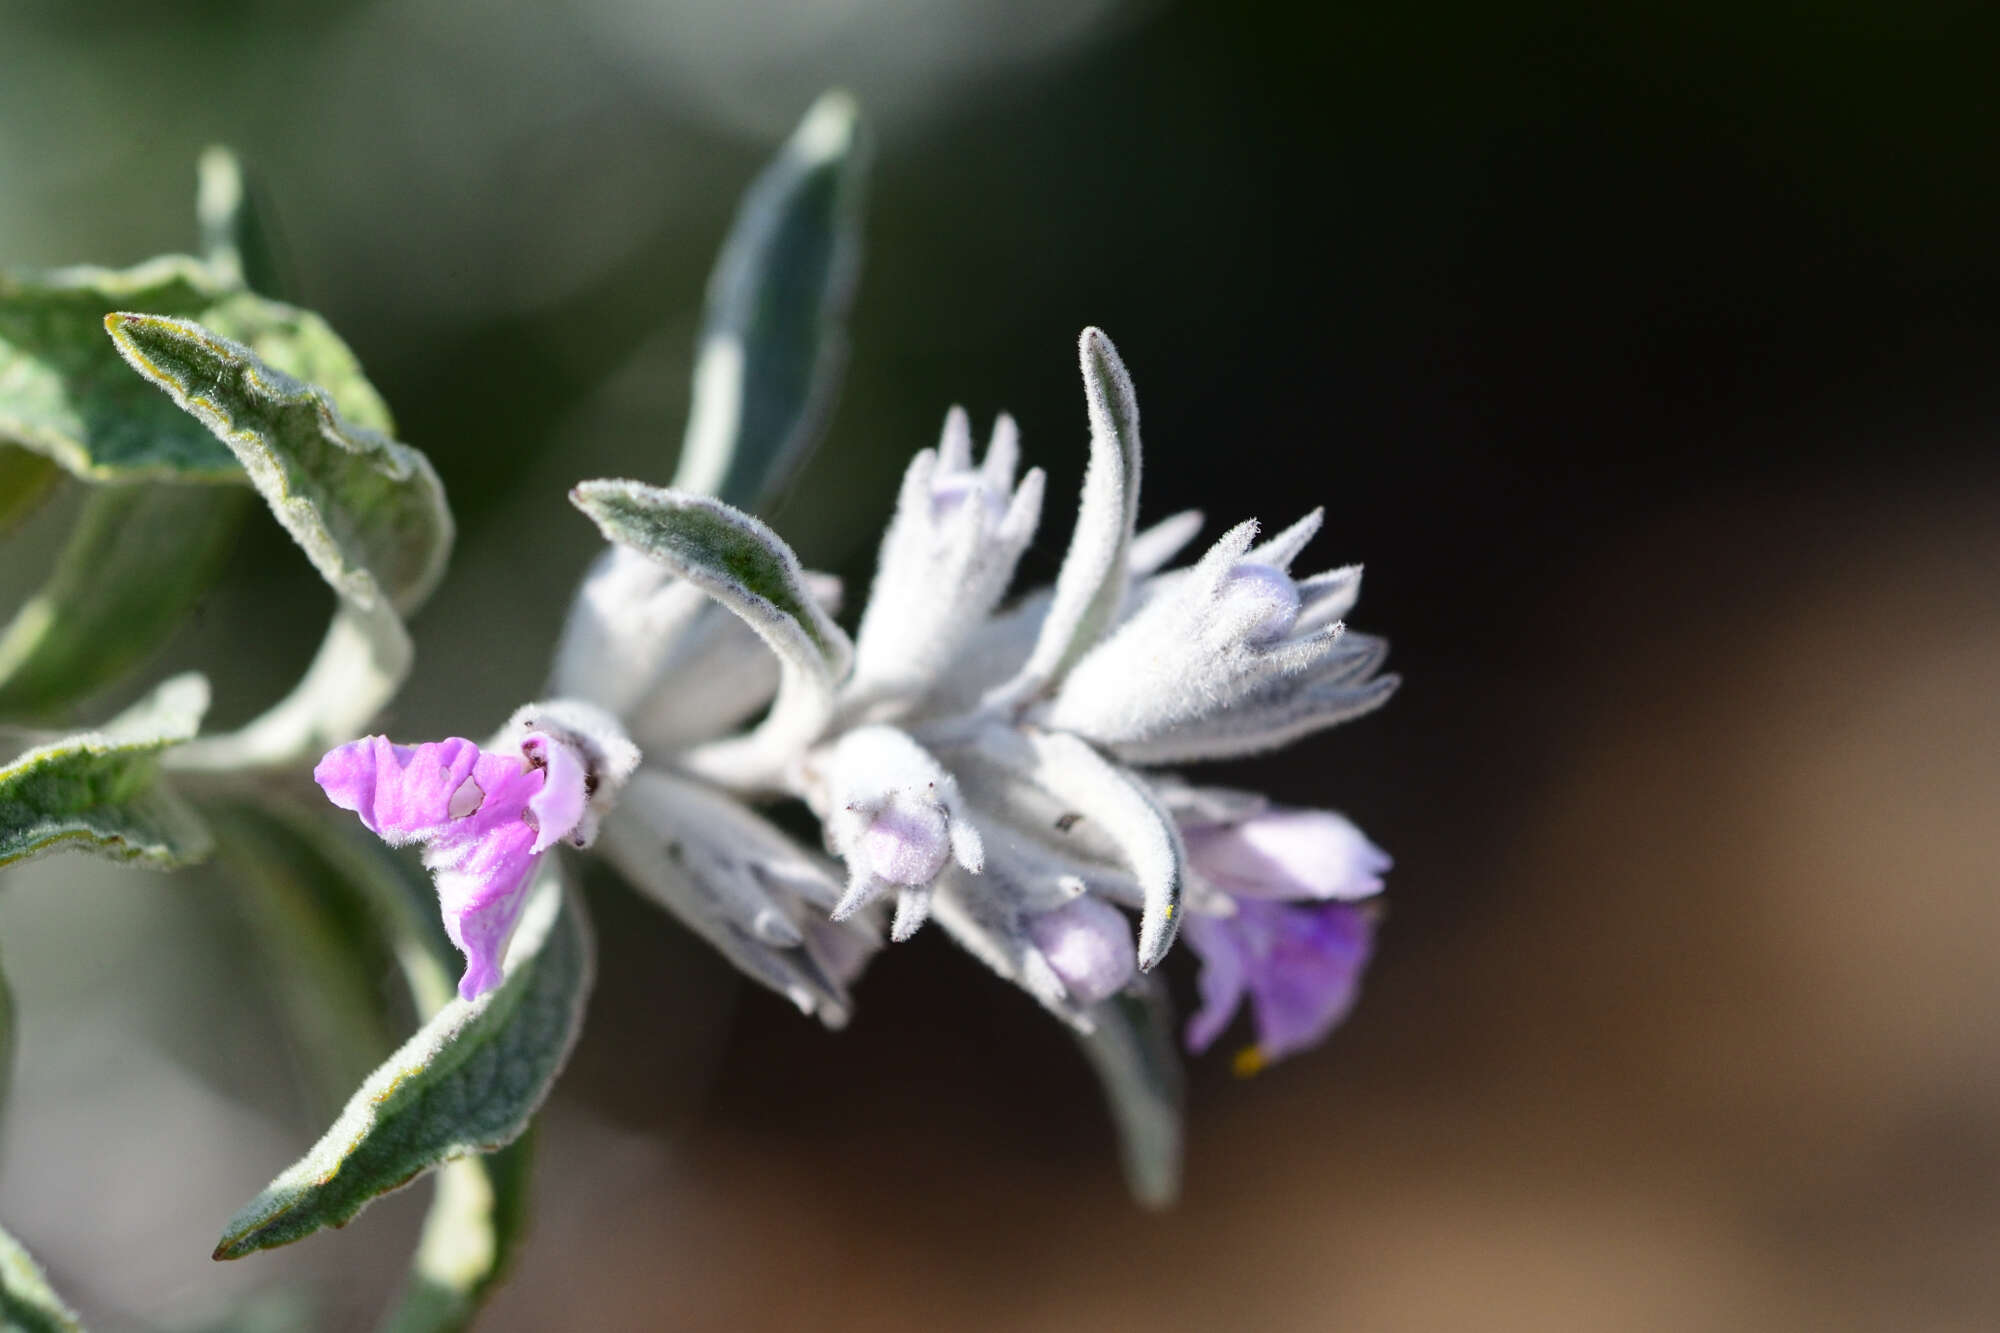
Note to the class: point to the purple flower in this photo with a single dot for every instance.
(1286, 853)
(483, 819)
(1300, 962)
(1089, 944)
(1300, 965)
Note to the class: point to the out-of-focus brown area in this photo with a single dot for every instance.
(1717, 1051)
(1645, 354)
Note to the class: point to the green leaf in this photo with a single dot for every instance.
(138, 559)
(27, 1303)
(100, 791)
(742, 564)
(369, 512)
(331, 904)
(239, 237)
(26, 479)
(466, 1083)
(772, 340)
(731, 556)
(64, 394)
(1132, 1049)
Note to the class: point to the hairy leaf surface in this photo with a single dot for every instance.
(101, 790)
(466, 1083)
(773, 340)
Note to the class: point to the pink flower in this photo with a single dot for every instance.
(483, 819)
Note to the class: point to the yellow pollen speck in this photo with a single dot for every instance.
(1250, 1060)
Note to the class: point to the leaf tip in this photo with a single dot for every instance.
(830, 129)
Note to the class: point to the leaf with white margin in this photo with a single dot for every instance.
(64, 393)
(335, 904)
(369, 513)
(466, 1083)
(138, 559)
(1120, 806)
(1091, 583)
(1131, 1048)
(100, 791)
(746, 567)
(28, 1304)
(238, 235)
(772, 340)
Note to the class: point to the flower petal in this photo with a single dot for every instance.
(1089, 944)
(1289, 853)
(1301, 967)
(484, 817)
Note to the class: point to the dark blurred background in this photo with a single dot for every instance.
(1647, 355)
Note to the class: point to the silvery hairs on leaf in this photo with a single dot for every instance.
(1091, 583)
(27, 1302)
(466, 1083)
(164, 496)
(337, 910)
(773, 339)
(63, 393)
(742, 564)
(369, 513)
(101, 791)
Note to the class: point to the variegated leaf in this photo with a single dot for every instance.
(101, 791)
(772, 339)
(64, 393)
(466, 1083)
(334, 905)
(369, 512)
(28, 1304)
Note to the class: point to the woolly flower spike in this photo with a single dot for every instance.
(485, 817)
(981, 766)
